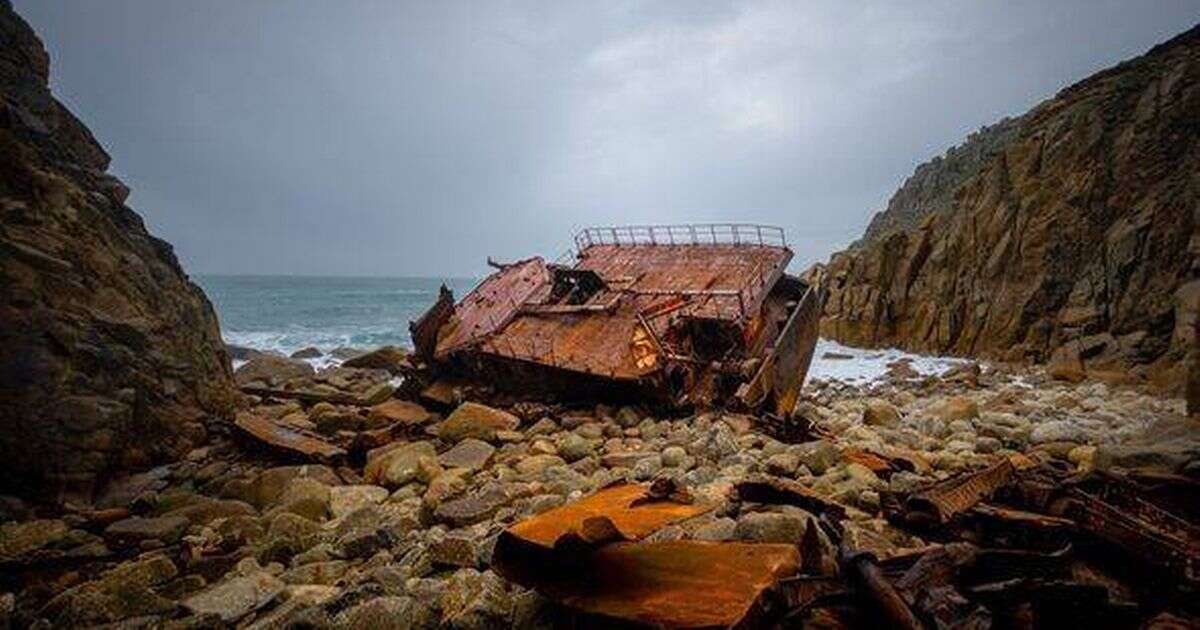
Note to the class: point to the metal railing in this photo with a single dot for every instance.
(684, 234)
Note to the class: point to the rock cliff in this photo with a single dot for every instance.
(1068, 234)
(111, 356)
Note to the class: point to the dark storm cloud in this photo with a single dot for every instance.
(388, 138)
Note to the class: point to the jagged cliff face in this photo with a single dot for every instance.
(1074, 239)
(931, 187)
(110, 356)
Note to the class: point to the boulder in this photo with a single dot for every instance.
(771, 527)
(404, 412)
(473, 420)
(473, 508)
(390, 358)
(388, 613)
(18, 539)
(470, 453)
(574, 447)
(237, 597)
(306, 497)
(397, 464)
(879, 412)
(127, 590)
(134, 530)
(272, 371)
(955, 408)
(307, 353)
(346, 499)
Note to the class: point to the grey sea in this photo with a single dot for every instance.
(286, 313)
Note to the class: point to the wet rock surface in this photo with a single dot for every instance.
(1045, 237)
(112, 358)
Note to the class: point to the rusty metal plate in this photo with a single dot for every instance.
(679, 584)
(492, 304)
(781, 376)
(621, 505)
(287, 439)
(725, 271)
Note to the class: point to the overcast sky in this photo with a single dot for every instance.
(388, 138)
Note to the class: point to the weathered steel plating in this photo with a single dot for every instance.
(686, 314)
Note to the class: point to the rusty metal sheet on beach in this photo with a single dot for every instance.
(680, 584)
(622, 505)
(780, 491)
(944, 500)
(287, 439)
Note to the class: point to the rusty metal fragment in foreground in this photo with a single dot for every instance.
(1118, 512)
(287, 439)
(941, 502)
(777, 490)
(585, 555)
(689, 315)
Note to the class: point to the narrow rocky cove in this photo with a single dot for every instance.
(146, 483)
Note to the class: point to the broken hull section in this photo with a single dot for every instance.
(679, 316)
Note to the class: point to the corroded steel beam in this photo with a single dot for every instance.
(944, 500)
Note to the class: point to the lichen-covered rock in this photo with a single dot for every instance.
(1070, 226)
(109, 349)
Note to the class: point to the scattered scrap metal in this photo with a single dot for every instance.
(687, 315)
(1018, 546)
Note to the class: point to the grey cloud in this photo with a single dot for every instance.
(388, 138)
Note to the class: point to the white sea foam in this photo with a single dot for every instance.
(865, 366)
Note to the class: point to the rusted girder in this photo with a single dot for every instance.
(766, 489)
(1117, 512)
(944, 500)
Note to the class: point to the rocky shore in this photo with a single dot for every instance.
(401, 534)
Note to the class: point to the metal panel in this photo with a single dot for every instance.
(781, 376)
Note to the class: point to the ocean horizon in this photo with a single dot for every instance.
(285, 313)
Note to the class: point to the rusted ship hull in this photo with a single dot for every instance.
(685, 316)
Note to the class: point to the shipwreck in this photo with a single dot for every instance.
(682, 315)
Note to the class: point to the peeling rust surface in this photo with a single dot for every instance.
(586, 555)
(680, 584)
(632, 517)
(492, 304)
(287, 439)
